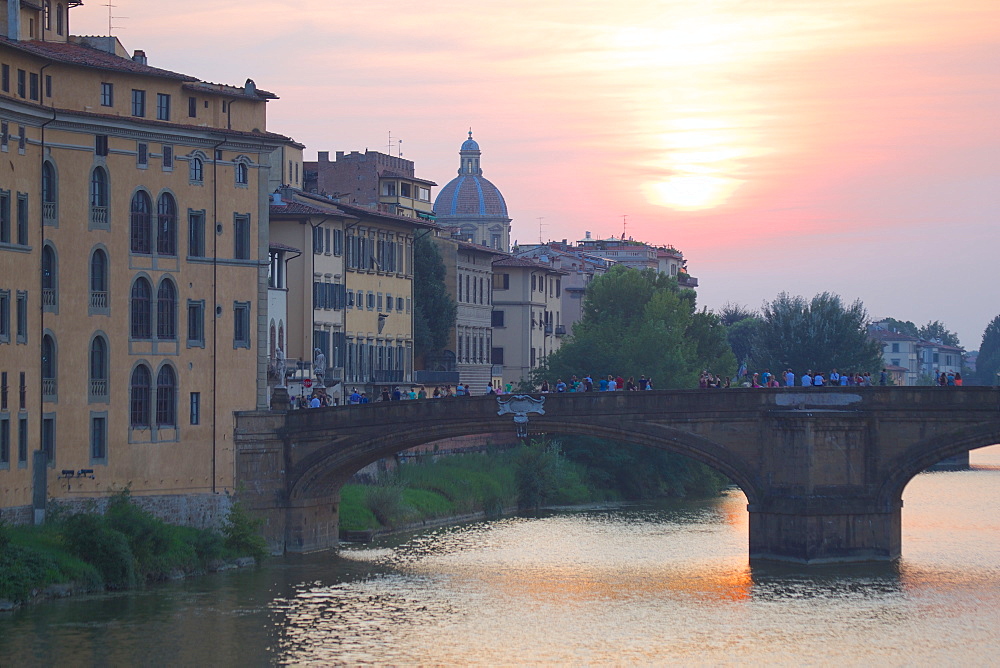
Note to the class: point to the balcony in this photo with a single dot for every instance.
(49, 389)
(387, 376)
(99, 388)
(560, 330)
(687, 281)
(99, 216)
(98, 300)
(49, 213)
(548, 330)
(48, 297)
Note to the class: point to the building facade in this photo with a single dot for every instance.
(133, 269)
(527, 315)
(470, 206)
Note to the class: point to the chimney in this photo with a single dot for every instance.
(139, 56)
(323, 156)
(14, 20)
(586, 235)
(340, 154)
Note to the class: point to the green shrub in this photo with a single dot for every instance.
(148, 537)
(23, 570)
(385, 501)
(242, 533)
(91, 539)
(427, 503)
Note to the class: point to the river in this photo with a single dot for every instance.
(641, 585)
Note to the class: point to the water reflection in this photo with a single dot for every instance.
(631, 585)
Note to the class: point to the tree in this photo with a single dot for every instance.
(821, 334)
(434, 310)
(731, 314)
(641, 323)
(988, 362)
(901, 326)
(936, 331)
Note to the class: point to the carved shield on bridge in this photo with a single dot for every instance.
(520, 405)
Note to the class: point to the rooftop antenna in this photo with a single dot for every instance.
(624, 225)
(111, 18)
(399, 146)
(540, 219)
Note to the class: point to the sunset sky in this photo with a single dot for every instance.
(783, 145)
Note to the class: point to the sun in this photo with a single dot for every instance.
(691, 191)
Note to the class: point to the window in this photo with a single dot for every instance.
(3, 391)
(139, 398)
(371, 301)
(166, 225)
(99, 438)
(4, 135)
(138, 103)
(49, 438)
(140, 312)
(241, 237)
(162, 107)
(21, 83)
(22, 441)
(49, 368)
(166, 311)
(4, 442)
(4, 217)
(22, 139)
(317, 240)
(139, 223)
(49, 273)
(497, 319)
(107, 94)
(22, 392)
(241, 324)
(33, 86)
(192, 107)
(142, 155)
(59, 19)
(196, 170)
(99, 281)
(5, 328)
(166, 397)
(22, 316)
(99, 198)
(196, 324)
(5, 77)
(48, 193)
(399, 303)
(196, 233)
(195, 408)
(895, 347)
(242, 174)
(98, 369)
(168, 157)
(502, 282)
(101, 145)
(22, 219)
(496, 356)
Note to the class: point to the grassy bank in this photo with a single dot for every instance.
(551, 472)
(122, 549)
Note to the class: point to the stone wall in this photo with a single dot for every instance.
(202, 511)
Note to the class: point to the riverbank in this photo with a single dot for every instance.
(124, 548)
(431, 491)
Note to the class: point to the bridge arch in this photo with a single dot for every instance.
(926, 453)
(331, 467)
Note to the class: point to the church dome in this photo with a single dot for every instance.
(470, 194)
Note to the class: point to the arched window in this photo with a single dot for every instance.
(196, 170)
(59, 19)
(166, 311)
(99, 368)
(47, 14)
(49, 368)
(140, 311)
(48, 193)
(166, 225)
(139, 390)
(99, 198)
(99, 279)
(281, 335)
(242, 174)
(166, 397)
(139, 227)
(49, 274)
(272, 340)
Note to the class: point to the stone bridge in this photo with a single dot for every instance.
(823, 469)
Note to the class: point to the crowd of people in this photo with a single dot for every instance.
(810, 378)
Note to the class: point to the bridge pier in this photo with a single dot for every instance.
(816, 531)
(312, 524)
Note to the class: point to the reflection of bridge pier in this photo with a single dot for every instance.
(823, 470)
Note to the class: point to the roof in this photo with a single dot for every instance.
(389, 174)
(470, 195)
(886, 335)
(468, 245)
(225, 89)
(274, 245)
(86, 56)
(365, 211)
(527, 264)
(894, 367)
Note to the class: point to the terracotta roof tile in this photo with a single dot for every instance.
(529, 264)
(86, 56)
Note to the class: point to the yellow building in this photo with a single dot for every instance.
(133, 271)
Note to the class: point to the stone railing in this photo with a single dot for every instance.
(99, 216)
